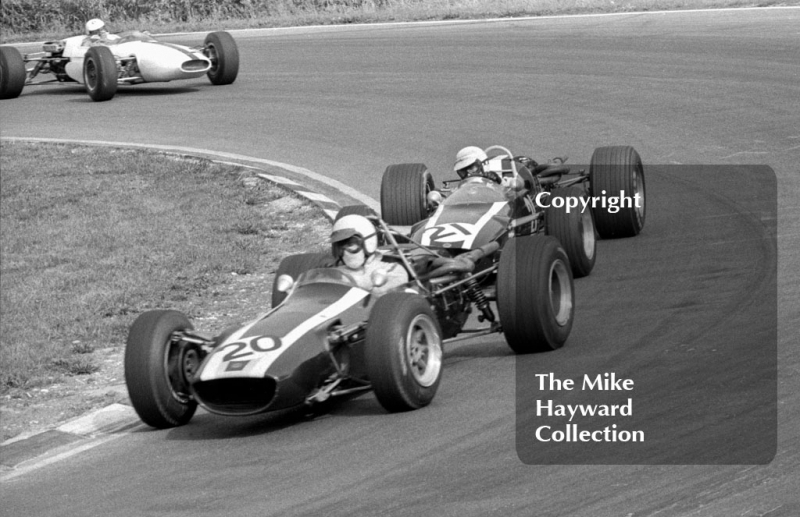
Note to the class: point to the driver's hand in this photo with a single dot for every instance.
(513, 183)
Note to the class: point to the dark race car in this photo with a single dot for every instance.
(326, 337)
(532, 199)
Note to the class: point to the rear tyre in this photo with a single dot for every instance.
(12, 73)
(100, 74)
(294, 266)
(404, 193)
(403, 352)
(575, 230)
(221, 49)
(157, 371)
(615, 169)
(535, 295)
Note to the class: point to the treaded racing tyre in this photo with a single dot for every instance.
(100, 74)
(294, 266)
(403, 351)
(12, 73)
(615, 169)
(404, 193)
(535, 294)
(155, 370)
(221, 49)
(575, 230)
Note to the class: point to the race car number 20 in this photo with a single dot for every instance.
(244, 348)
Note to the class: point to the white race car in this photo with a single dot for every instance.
(135, 57)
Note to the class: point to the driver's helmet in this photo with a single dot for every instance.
(95, 26)
(469, 163)
(353, 232)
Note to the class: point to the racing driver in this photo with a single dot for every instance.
(354, 242)
(469, 164)
(97, 34)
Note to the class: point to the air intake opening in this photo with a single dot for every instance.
(235, 396)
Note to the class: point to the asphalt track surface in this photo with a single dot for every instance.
(689, 88)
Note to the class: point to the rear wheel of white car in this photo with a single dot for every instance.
(294, 266)
(614, 170)
(100, 74)
(12, 73)
(158, 369)
(404, 193)
(535, 295)
(574, 229)
(403, 351)
(221, 49)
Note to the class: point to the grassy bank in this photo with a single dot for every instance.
(30, 20)
(91, 237)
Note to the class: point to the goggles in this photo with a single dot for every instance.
(470, 170)
(352, 244)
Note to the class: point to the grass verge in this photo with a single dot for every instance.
(34, 20)
(91, 237)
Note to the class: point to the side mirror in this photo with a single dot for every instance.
(285, 282)
(378, 278)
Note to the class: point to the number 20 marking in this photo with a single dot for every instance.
(254, 344)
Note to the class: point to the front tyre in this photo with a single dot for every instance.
(614, 170)
(100, 74)
(157, 369)
(535, 294)
(403, 352)
(221, 49)
(574, 229)
(12, 73)
(404, 193)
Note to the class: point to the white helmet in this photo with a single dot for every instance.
(467, 156)
(354, 225)
(94, 25)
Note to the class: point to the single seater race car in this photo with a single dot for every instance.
(136, 57)
(532, 199)
(326, 337)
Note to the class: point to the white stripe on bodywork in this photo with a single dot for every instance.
(426, 241)
(496, 207)
(259, 362)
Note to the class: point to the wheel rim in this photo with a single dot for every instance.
(560, 292)
(90, 76)
(180, 365)
(211, 53)
(638, 188)
(587, 234)
(423, 350)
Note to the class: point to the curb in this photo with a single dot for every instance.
(24, 453)
(27, 452)
(328, 205)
